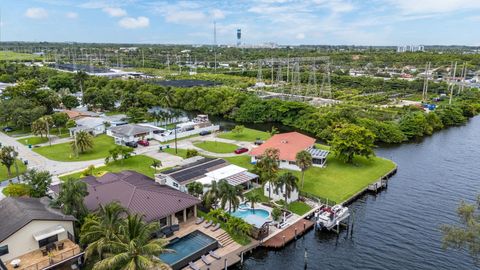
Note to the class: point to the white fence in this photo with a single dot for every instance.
(170, 137)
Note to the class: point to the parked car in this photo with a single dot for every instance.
(132, 144)
(7, 129)
(241, 150)
(143, 142)
(258, 141)
(205, 132)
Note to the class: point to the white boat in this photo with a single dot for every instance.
(330, 217)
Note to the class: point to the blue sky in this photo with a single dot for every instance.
(359, 22)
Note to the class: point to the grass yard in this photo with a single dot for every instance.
(3, 171)
(258, 191)
(299, 208)
(248, 135)
(338, 181)
(33, 140)
(140, 163)
(216, 147)
(12, 56)
(63, 151)
(180, 152)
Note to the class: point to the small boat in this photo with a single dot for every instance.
(330, 217)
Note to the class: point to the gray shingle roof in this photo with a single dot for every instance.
(137, 192)
(130, 129)
(15, 213)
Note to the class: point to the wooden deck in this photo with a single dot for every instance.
(35, 260)
(288, 234)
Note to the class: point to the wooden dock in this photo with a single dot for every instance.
(288, 234)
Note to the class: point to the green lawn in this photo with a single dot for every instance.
(140, 163)
(338, 181)
(248, 135)
(258, 191)
(216, 147)
(63, 151)
(3, 171)
(12, 56)
(299, 208)
(180, 152)
(33, 140)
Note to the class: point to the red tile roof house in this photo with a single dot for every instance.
(140, 194)
(289, 144)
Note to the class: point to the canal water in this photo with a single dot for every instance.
(399, 227)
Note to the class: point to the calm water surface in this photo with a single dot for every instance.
(398, 228)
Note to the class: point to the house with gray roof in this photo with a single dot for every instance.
(140, 194)
(92, 125)
(131, 133)
(29, 226)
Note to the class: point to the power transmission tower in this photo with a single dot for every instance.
(279, 75)
(259, 73)
(326, 88)
(452, 84)
(296, 82)
(425, 82)
(312, 82)
(464, 75)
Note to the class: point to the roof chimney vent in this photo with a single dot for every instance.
(284, 141)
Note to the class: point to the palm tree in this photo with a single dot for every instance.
(267, 167)
(133, 248)
(230, 194)
(253, 198)
(99, 230)
(167, 97)
(211, 196)
(304, 161)
(287, 182)
(71, 196)
(156, 164)
(82, 142)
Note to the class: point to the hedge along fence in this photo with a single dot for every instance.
(317, 198)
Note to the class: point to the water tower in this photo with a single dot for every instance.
(239, 37)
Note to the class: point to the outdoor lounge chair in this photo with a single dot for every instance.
(208, 224)
(60, 246)
(214, 255)
(204, 259)
(193, 266)
(175, 228)
(216, 227)
(199, 220)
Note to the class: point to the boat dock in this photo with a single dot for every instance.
(288, 234)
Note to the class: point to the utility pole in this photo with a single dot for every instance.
(452, 84)
(425, 82)
(215, 45)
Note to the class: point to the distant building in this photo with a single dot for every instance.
(410, 48)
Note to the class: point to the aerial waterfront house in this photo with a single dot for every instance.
(139, 194)
(35, 236)
(289, 144)
(205, 171)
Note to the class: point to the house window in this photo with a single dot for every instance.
(3, 250)
(292, 162)
(163, 222)
(48, 240)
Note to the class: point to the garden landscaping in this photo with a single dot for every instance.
(3, 171)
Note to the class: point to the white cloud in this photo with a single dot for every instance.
(36, 13)
(217, 14)
(434, 6)
(71, 15)
(115, 12)
(186, 17)
(133, 23)
(300, 36)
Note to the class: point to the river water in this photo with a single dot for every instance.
(399, 227)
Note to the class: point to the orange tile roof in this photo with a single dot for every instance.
(72, 114)
(289, 145)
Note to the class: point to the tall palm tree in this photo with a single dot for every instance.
(82, 142)
(253, 198)
(71, 196)
(267, 168)
(167, 97)
(133, 248)
(230, 194)
(210, 197)
(156, 164)
(287, 182)
(98, 231)
(304, 161)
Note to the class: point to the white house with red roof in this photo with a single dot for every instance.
(289, 144)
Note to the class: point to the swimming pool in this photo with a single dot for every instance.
(256, 217)
(188, 248)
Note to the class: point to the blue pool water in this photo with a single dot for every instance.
(256, 217)
(189, 245)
